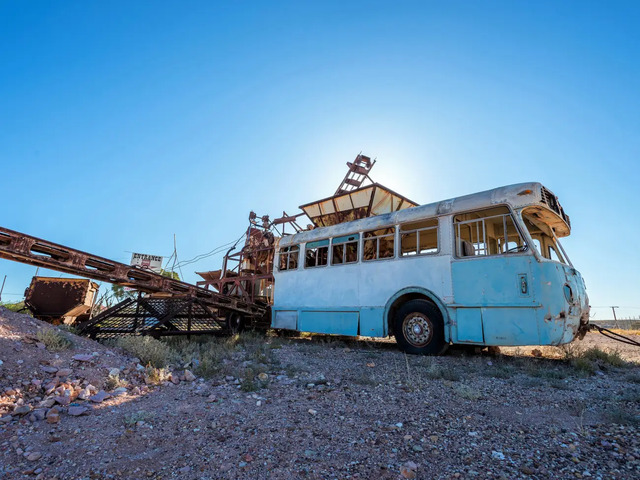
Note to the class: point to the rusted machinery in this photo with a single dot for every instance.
(237, 295)
(159, 313)
(60, 300)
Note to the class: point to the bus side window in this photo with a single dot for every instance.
(554, 255)
(487, 232)
(419, 238)
(289, 258)
(316, 254)
(379, 244)
(344, 249)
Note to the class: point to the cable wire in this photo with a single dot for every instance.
(615, 336)
(215, 251)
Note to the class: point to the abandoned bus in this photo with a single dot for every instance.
(483, 269)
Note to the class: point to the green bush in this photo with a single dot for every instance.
(609, 358)
(205, 355)
(148, 350)
(54, 339)
(584, 366)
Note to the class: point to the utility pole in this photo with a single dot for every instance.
(615, 320)
(2, 288)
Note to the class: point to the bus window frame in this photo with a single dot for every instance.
(357, 241)
(538, 253)
(377, 239)
(288, 254)
(517, 223)
(415, 255)
(327, 245)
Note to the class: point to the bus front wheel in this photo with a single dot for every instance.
(419, 328)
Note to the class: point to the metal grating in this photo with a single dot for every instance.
(156, 317)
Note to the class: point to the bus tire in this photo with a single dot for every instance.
(419, 328)
(235, 323)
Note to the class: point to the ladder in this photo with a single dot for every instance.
(358, 172)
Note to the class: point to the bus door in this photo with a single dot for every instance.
(492, 281)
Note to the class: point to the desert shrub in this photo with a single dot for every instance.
(621, 416)
(54, 339)
(442, 372)
(256, 347)
(572, 350)
(467, 392)
(131, 419)
(205, 355)
(612, 358)
(583, 366)
(248, 380)
(148, 350)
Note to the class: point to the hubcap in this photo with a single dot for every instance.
(417, 329)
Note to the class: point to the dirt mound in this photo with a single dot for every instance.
(47, 372)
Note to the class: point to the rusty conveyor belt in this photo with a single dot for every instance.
(24, 248)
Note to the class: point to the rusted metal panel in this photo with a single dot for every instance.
(60, 299)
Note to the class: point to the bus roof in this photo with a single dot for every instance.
(517, 195)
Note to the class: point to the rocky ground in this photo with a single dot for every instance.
(315, 408)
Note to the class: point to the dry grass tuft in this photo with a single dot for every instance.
(114, 381)
(467, 392)
(156, 376)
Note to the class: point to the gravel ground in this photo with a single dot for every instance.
(319, 408)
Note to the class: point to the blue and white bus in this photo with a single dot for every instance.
(484, 269)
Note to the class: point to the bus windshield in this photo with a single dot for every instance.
(544, 240)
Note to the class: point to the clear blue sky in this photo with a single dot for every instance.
(122, 123)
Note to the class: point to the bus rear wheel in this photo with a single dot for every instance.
(419, 328)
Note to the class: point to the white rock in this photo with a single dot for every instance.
(33, 456)
(497, 455)
(114, 372)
